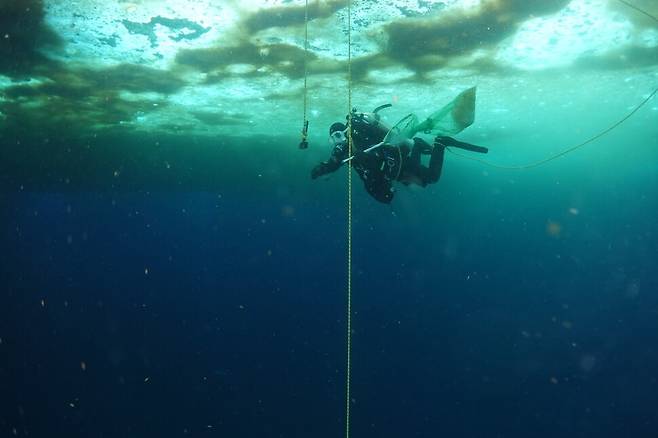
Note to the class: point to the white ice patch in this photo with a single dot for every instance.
(96, 33)
(389, 75)
(583, 28)
(648, 39)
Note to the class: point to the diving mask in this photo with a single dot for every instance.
(337, 138)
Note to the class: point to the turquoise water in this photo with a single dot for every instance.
(169, 268)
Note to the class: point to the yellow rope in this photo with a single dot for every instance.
(305, 55)
(304, 143)
(348, 372)
(573, 148)
(564, 152)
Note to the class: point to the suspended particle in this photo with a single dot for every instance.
(553, 229)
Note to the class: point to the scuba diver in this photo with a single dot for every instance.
(380, 160)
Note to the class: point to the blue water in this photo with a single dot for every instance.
(169, 269)
(493, 304)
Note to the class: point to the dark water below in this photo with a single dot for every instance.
(208, 299)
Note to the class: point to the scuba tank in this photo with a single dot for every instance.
(367, 128)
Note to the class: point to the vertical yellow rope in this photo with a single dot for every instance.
(304, 143)
(305, 55)
(348, 372)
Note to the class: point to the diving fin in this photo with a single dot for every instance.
(453, 118)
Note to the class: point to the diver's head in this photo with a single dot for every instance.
(337, 136)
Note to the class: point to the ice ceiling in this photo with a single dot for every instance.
(207, 67)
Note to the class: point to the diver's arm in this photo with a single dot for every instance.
(325, 167)
(332, 164)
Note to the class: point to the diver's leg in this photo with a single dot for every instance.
(414, 157)
(449, 141)
(413, 172)
(436, 163)
(421, 171)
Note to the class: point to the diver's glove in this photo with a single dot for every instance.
(317, 171)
